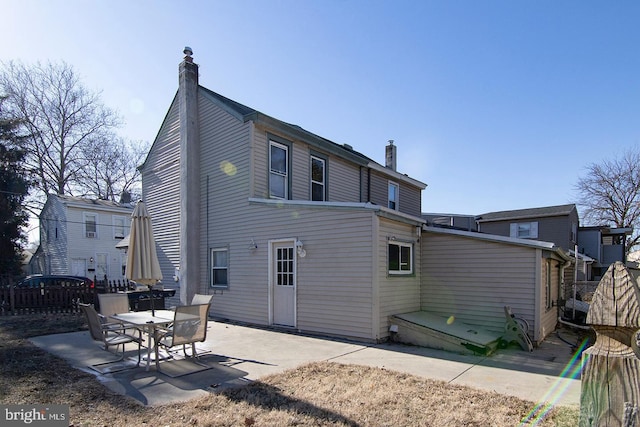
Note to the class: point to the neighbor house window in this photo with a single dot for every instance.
(524, 230)
(118, 227)
(393, 195)
(278, 170)
(317, 179)
(220, 268)
(400, 258)
(91, 225)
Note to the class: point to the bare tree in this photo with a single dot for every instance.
(62, 118)
(112, 168)
(610, 193)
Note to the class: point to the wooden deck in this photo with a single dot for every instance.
(429, 330)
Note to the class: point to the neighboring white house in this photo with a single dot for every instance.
(79, 236)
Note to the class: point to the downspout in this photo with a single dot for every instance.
(562, 267)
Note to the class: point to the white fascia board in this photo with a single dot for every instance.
(380, 210)
(537, 244)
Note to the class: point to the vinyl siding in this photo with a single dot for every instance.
(397, 294)
(225, 168)
(343, 181)
(69, 242)
(472, 280)
(334, 279)
(55, 249)
(549, 317)
(343, 178)
(409, 200)
(555, 229)
(161, 189)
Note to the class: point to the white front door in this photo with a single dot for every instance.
(283, 282)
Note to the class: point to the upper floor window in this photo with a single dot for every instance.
(524, 230)
(394, 189)
(278, 170)
(574, 232)
(219, 268)
(400, 258)
(118, 227)
(317, 179)
(91, 225)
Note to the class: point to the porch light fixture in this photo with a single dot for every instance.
(300, 249)
(252, 245)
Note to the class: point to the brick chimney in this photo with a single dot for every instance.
(189, 178)
(390, 156)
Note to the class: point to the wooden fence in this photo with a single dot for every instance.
(24, 301)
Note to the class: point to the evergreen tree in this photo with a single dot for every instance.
(14, 186)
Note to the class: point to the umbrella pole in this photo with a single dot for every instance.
(153, 312)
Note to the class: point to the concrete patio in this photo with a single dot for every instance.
(237, 354)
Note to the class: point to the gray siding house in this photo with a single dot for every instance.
(283, 226)
(78, 236)
(557, 224)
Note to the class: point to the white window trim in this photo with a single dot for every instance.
(85, 216)
(396, 200)
(212, 267)
(324, 177)
(286, 174)
(401, 272)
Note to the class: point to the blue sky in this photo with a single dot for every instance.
(495, 105)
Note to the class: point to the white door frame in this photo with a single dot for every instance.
(272, 256)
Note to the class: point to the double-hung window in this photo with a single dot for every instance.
(118, 227)
(318, 178)
(220, 268)
(400, 258)
(90, 225)
(394, 189)
(278, 170)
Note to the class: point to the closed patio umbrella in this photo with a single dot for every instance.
(142, 260)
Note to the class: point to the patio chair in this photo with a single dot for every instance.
(111, 304)
(201, 299)
(189, 327)
(109, 334)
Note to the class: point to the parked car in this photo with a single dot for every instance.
(54, 281)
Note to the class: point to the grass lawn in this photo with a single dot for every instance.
(318, 394)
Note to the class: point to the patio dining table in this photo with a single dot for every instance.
(149, 322)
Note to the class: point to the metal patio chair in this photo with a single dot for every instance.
(201, 299)
(109, 334)
(189, 327)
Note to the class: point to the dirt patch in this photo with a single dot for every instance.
(317, 394)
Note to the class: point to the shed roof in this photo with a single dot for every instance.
(534, 244)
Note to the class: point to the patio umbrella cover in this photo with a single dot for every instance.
(142, 260)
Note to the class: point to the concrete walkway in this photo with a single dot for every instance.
(236, 355)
